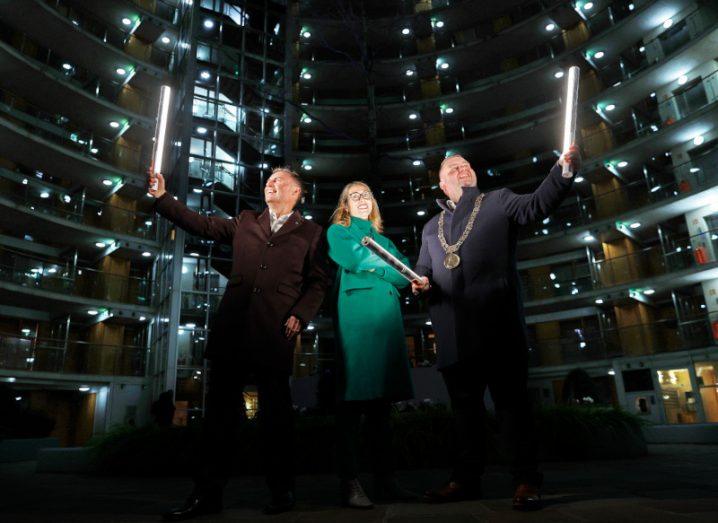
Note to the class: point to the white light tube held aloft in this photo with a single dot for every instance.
(158, 147)
(569, 123)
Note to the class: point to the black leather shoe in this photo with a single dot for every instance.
(452, 492)
(196, 505)
(280, 503)
(527, 497)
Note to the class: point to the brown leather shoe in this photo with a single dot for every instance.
(527, 497)
(452, 492)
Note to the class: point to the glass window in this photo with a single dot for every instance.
(679, 400)
(708, 387)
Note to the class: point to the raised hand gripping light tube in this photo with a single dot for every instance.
(390, 259)
(158, 147)
(569, 123)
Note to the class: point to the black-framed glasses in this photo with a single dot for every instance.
(356, 196)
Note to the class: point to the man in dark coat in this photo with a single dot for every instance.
(276, 286)
(468, 261)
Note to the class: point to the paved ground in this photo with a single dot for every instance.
(675, 483)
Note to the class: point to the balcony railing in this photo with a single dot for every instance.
(75, 281)
(678, 254)
(32, 354)
(655, 186)
(118, 92)
(79, 209)
(111, 35)
(59, 130)
(666, 335)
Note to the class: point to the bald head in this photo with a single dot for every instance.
(455, 173)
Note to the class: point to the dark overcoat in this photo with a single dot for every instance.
(476, 309)
(274, 276)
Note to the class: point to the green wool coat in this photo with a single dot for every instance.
(373, 357)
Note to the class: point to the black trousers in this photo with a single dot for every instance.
(378, 420)
(507, 383)
(223, 411)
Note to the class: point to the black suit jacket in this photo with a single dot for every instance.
(476, 309)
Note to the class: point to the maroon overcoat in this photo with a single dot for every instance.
(274, 276)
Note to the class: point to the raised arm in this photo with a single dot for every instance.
(525, 208)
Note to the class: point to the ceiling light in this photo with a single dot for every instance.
(420, 213)
(449, 110)
(610, 107)
(682, 80)
(579, 179)
(552, 276)
(94, 150)
(631, 6)
(642, 49)
(416, 163)
(667, 23)
(444, 65)
(83, 388)
(698, 140)
(413, 116)
(165, 39)
(648, 292)
(550, 27)
(308, 217)
(147, 254)
(409, 72)
(205, 75)
(114, 124)
(93, 312)
(208, 24)
(622, 164)
(635, 225)
(307, 167)
(306, 34)
(142, 318)
(439, 24)
(599, 55)
(67, 198)
(694, 169)
(100, 245)
(558, 74)
(307, 76)
(121, 71)
(588, 237)
(24, 181)
(107, 182)
(405, 31)
(201, 130)
(598, 301)
(126, 21)
(66, 66)
(588, 6)
(44, 194)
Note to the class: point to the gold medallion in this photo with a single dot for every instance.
(451, 260)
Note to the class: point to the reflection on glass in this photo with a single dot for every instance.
(679, 400)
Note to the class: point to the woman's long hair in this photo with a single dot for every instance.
(342, 216)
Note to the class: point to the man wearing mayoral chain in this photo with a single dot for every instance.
(468, 264)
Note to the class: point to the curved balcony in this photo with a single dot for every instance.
(88, 42)
(67, 288)
(147, 20)
(52, 214)
(59, 356)
(94, 102)
(656, 269)
(47, 143)
(512, 85)
(663, 336)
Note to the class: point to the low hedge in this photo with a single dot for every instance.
(422, 439)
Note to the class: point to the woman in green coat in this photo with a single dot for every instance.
(373, 360)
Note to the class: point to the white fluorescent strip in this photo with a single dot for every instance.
(161, 129)
(569, 123)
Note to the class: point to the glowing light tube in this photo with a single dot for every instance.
(569, 123)
(390, 259)
(158, 147)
